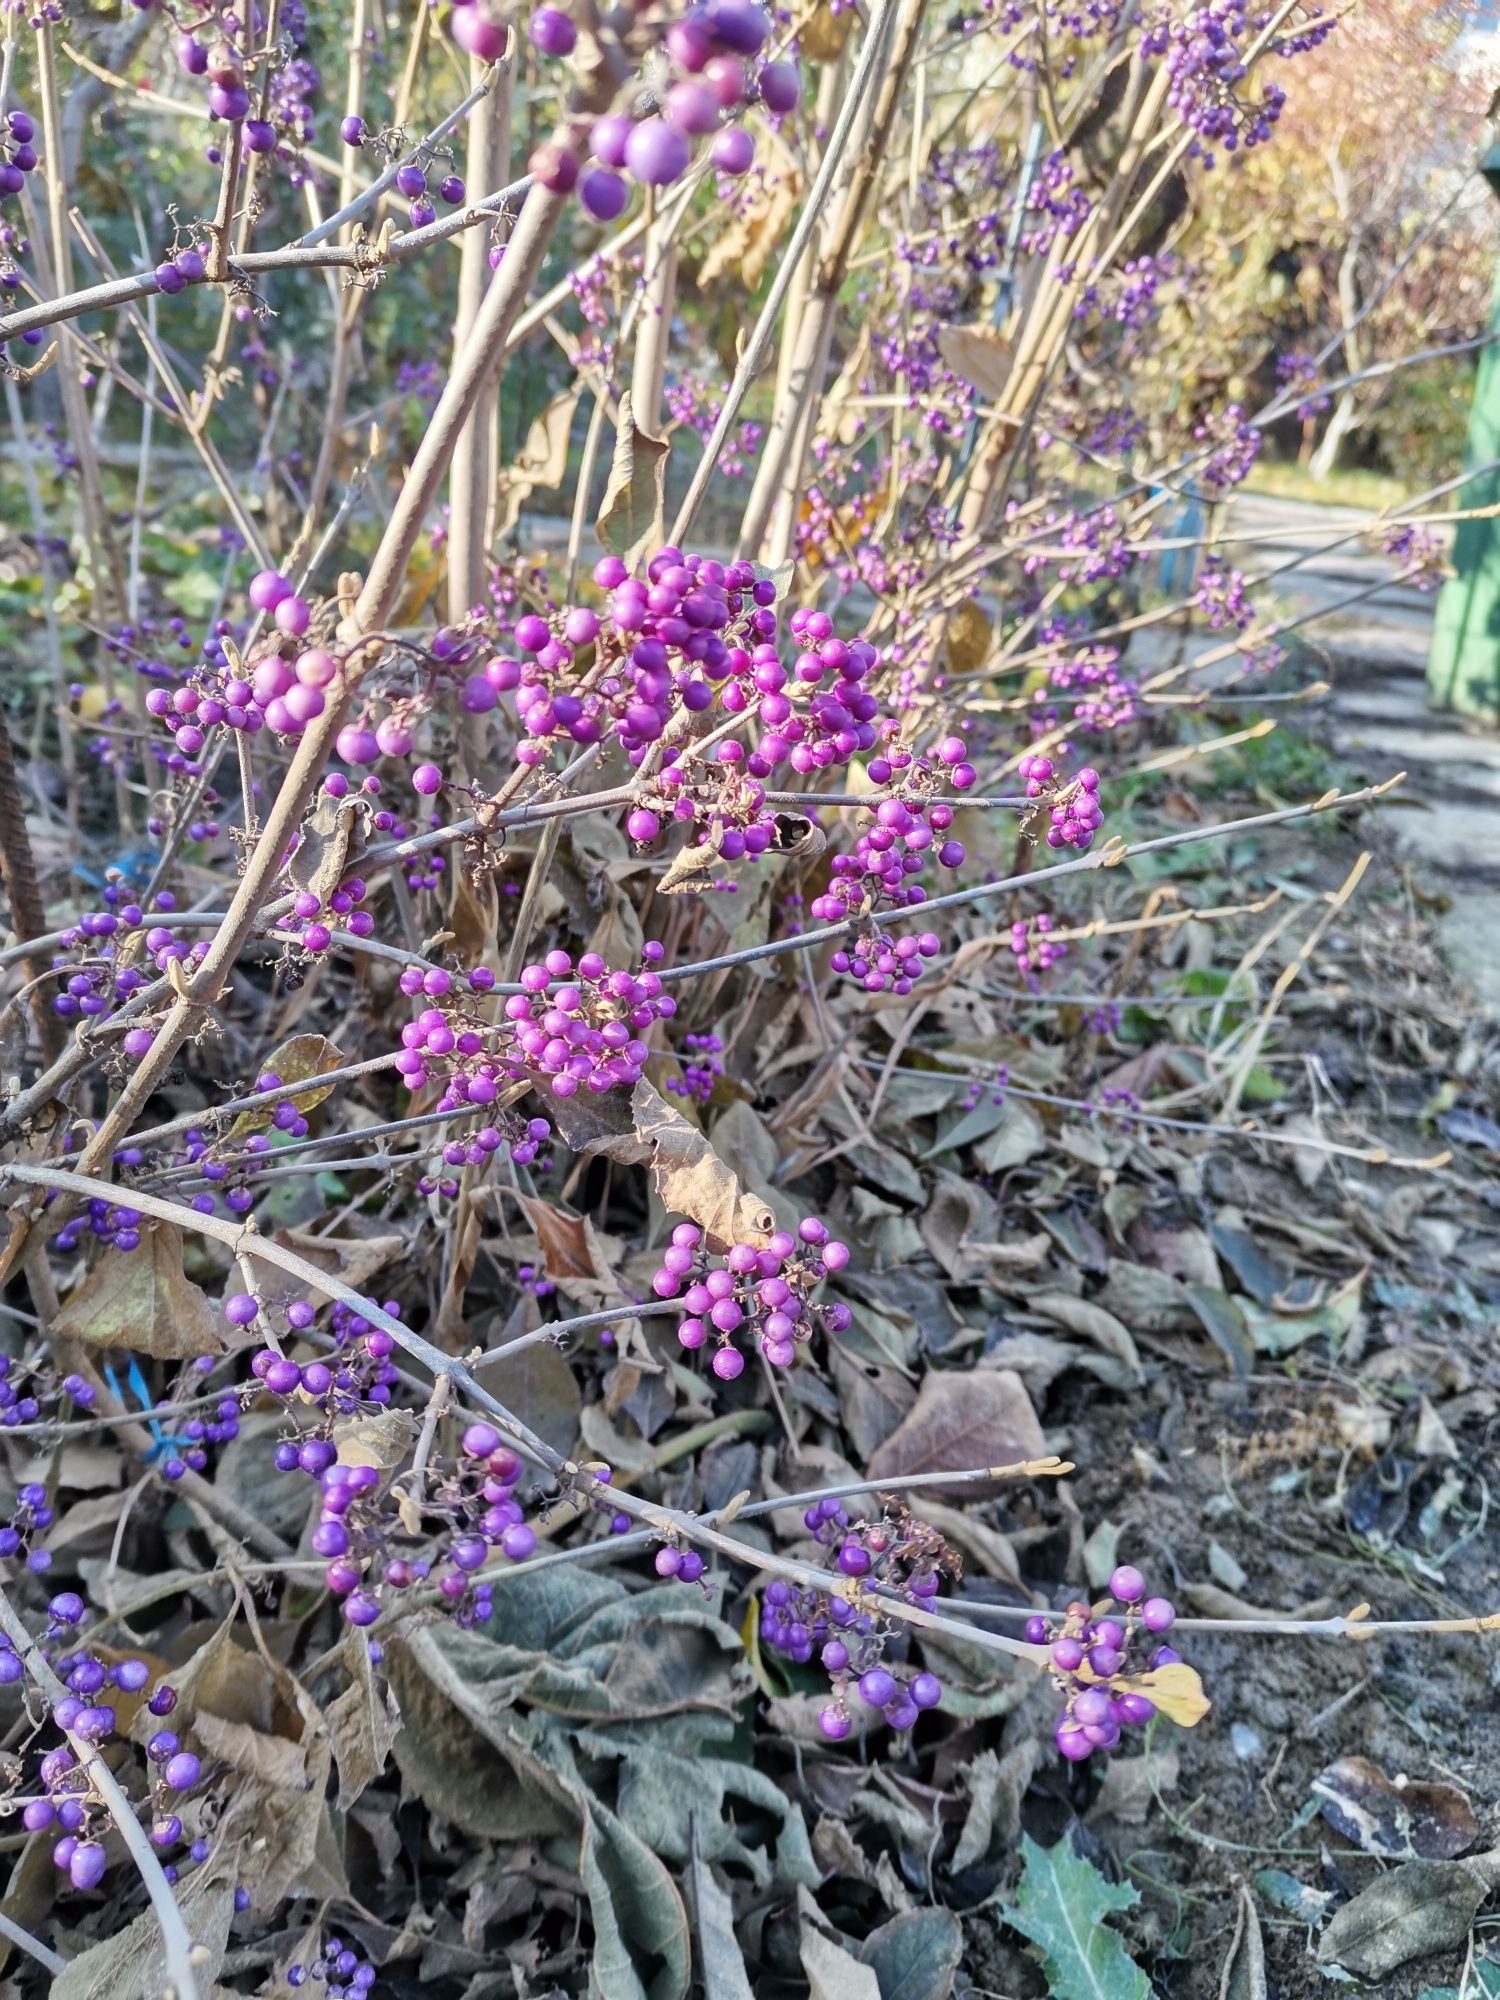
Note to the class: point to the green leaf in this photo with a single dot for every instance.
(1261, 1087)
(1060, 1906)
(1279, 1333)
(1482, 1982)
(1285, 1892)
(631, 515)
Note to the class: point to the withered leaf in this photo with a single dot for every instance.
(1244, 1974)
(1415, 1910)
(631, 515)
(689, 1175)
(131, 1965)
(1395, 1819)
(962, 1422)
(302, 1056)
(981, 354)
(541, 462)
(1177, 1692)
(333, 839)
(144, 1303)
(353, 1260)
(362, 1722)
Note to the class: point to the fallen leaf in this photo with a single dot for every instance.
(1417, 1909)
(1397, 1820)
(1244, 1974)
(1216, 1603)
(353, 1260)
(144, 1303)
(1223, 1320)
(915, 1955)
(720, 1959)
(132, 1966)
(832, 1972)
(1131, 1786)
(1093, 1323)
(962, 1422)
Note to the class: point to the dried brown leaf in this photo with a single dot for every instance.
(981, 354)
(631, 515)
(144, 1303)
(962, 1422)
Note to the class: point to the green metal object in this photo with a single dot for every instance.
(1463, 667)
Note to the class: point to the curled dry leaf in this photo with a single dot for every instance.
(631, 515)
(690, 1177)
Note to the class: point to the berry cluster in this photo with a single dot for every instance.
(338, 1969)
(18, 155)
(581, 1027)
(889, 855)
(1095, 1651)
(1074, 812)
(760, 1291)
(31, 1516)
(701, 1068)
(709, 58)
(1032, 943)
(98, 954)
(578, 1026)
(1204, 57)
(364, 1523)
(63, 1796)
(896, 1552)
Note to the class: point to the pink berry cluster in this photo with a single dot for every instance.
(1032, 943)
(573, 1025)
(282, 687)
(1075, 814)
(882, 873)
(903, 1557)
(760, 1291)
(1095, 1650)
(581, 1026)
(711, 74)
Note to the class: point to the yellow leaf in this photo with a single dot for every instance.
(1176, 1690)
(303, 1056)
(969, 637)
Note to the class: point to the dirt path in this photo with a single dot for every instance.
(1374, 652)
